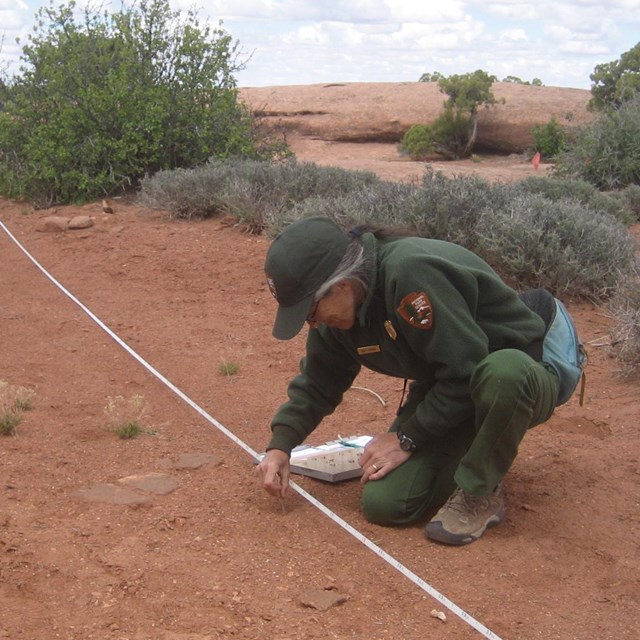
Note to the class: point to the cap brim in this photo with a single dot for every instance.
(290, 320)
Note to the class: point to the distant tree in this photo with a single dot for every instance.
(431, 77)
(101, 102)
(514, 80)
(616, 82)
(536, 82)
(467, 93)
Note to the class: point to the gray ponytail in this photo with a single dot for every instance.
(351, 267)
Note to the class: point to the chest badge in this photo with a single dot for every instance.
(416, 309)
(390, 329)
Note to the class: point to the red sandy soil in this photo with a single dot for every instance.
(203, 552)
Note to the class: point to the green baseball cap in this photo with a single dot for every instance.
(299, 261)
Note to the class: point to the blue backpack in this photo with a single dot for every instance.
(563, 350)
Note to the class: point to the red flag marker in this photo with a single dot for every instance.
(535, 161)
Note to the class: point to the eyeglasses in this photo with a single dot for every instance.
(311, 316)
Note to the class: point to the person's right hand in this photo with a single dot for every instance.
(273, 472)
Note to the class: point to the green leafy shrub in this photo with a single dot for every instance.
(449, 136)
(606, 153)
(550, 139)
(417, 142)
(102, 101)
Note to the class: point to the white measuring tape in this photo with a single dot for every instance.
(396, 564)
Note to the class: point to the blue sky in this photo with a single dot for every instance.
(287, 42)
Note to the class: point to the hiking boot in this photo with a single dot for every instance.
(464, 518)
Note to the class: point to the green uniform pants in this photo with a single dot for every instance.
(511, 393)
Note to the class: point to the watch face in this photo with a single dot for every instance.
(406, 443)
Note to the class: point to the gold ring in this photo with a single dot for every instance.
(374, 467)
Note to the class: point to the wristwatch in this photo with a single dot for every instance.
(406, 443)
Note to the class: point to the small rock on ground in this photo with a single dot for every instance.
(159, 484)
(111, 494)
(322, 599)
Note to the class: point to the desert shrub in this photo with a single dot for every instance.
(530, 239)
(562, 246)
(101, 101)
(556, 189)
(541, 232)
(14, 400)
(450, 207)
(606, 153)
(437, 207)
(125, 416)
(630, 196)
(228, 368)
(531, 231)
(550, 139)
(387, 203)
(625, 337)
(184, 193)
(9, 420)
(256, 193)
(417, 142)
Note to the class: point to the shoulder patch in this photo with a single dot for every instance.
(416, 309)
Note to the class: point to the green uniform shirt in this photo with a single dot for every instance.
(432, 312)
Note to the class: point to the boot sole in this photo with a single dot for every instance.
(435, 531)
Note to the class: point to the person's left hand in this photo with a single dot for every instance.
(382, 455)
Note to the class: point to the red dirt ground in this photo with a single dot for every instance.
(217, 557)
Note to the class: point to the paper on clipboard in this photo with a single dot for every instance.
(332, 461)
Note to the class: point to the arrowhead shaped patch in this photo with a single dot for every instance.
(416, 309)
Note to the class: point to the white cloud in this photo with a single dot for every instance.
(513, 35)
(512, 10)
(425, 12)
(309, 41)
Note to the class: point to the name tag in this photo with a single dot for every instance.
(373, 348)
